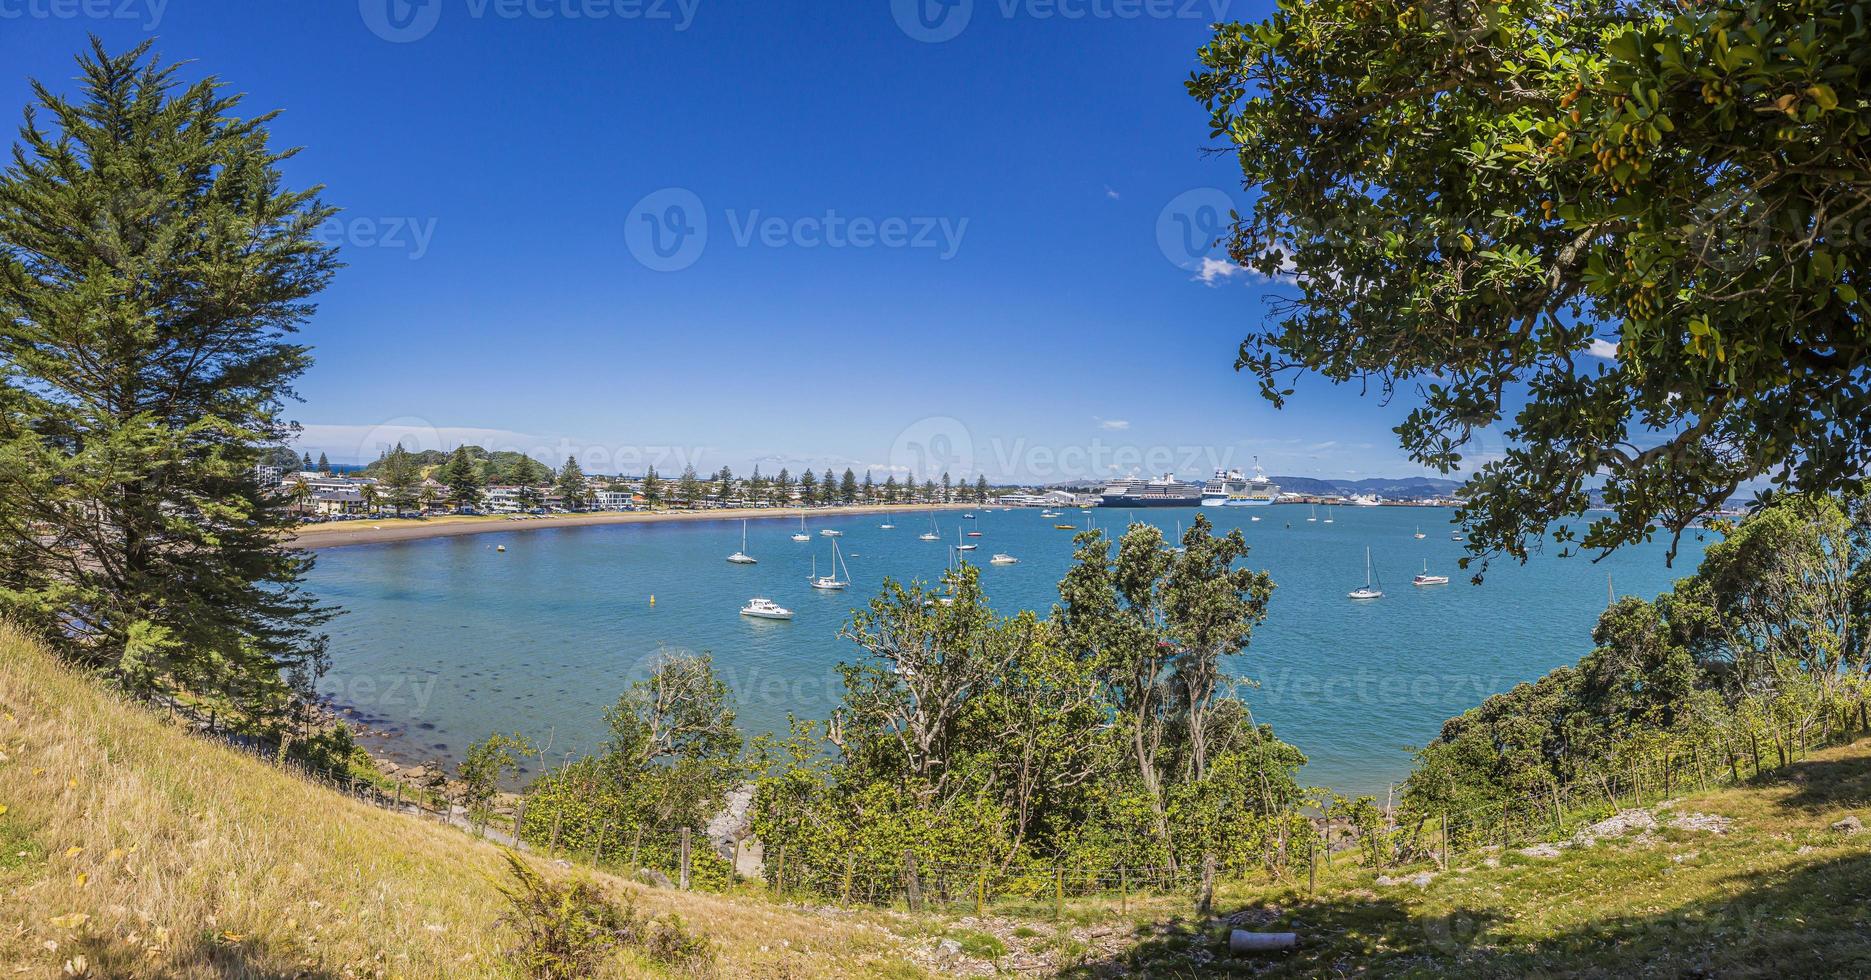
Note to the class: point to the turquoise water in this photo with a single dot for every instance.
(446, 640)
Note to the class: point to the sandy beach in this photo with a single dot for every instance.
(339, 534)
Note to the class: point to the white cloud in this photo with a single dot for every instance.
(1214, 272)
(1108, 192)
(1602, 348)
(1115, 425)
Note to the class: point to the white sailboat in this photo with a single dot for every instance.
(832, 582)
(1314, 519)
(931, 534)
(741, 557)
(886, 526)
(959, 546)
(1370, 590)
(801, 534)
(1419, 533)
(761, 608)
(1328, 515)
(1427, 579)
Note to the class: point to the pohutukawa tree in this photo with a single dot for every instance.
(1635, 234)
(153, 269)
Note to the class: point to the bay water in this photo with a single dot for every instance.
(446, 640)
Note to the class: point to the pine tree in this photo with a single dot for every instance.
(689, 487)
(947, 488)
(890, 489)
(153, 269)
(808, 487)
(929, 490)
(848, 487)
(400, 479)
(652, 488)
(324, 465)
(980, 489)
(870, 488)
(574, 489)
(463, 476)
(828, 487)
(305, 464)
(782, 487)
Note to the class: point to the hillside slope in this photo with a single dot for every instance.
(1765, 879)
(130, 848)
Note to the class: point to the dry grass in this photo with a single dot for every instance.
(129, 848)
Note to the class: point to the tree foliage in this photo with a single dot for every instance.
(153, 269)
(1475, 199)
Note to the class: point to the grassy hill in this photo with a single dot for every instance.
(130, 848)
(150, 852)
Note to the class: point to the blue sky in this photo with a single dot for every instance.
(922, 251)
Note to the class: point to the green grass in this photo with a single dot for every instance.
(1779, 895)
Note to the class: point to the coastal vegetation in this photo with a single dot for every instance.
(154, 267)
(1763, 650)
(1624, 243)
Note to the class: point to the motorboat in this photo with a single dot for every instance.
(1003, 559)
(760, 608)
(1427, 579)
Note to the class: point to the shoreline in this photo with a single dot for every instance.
(341, 534)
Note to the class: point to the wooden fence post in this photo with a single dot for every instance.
(850, 862)
(1206, 904)
(1445, 840)
(552, 847)
(912, 885)
(779, 869)
(1123, 889)
(980, 891)
(1312, 868)
(1058, 892)
(684, 873)
(597, 851)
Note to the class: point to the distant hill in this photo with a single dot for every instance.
(1398, 488)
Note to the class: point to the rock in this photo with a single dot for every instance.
(1849, 825)
(1541, 851)
(651, 876)
(1420, 880)
(1705, 822)
(731, 832)
(1617, 826)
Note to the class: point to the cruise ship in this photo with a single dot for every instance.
(1230, 488)
(1164, 491)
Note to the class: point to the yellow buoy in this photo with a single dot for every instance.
(652, 600)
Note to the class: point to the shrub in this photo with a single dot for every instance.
(567, 928)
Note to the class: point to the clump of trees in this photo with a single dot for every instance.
(1109, 734)
(671, 754)
(1761, 652)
